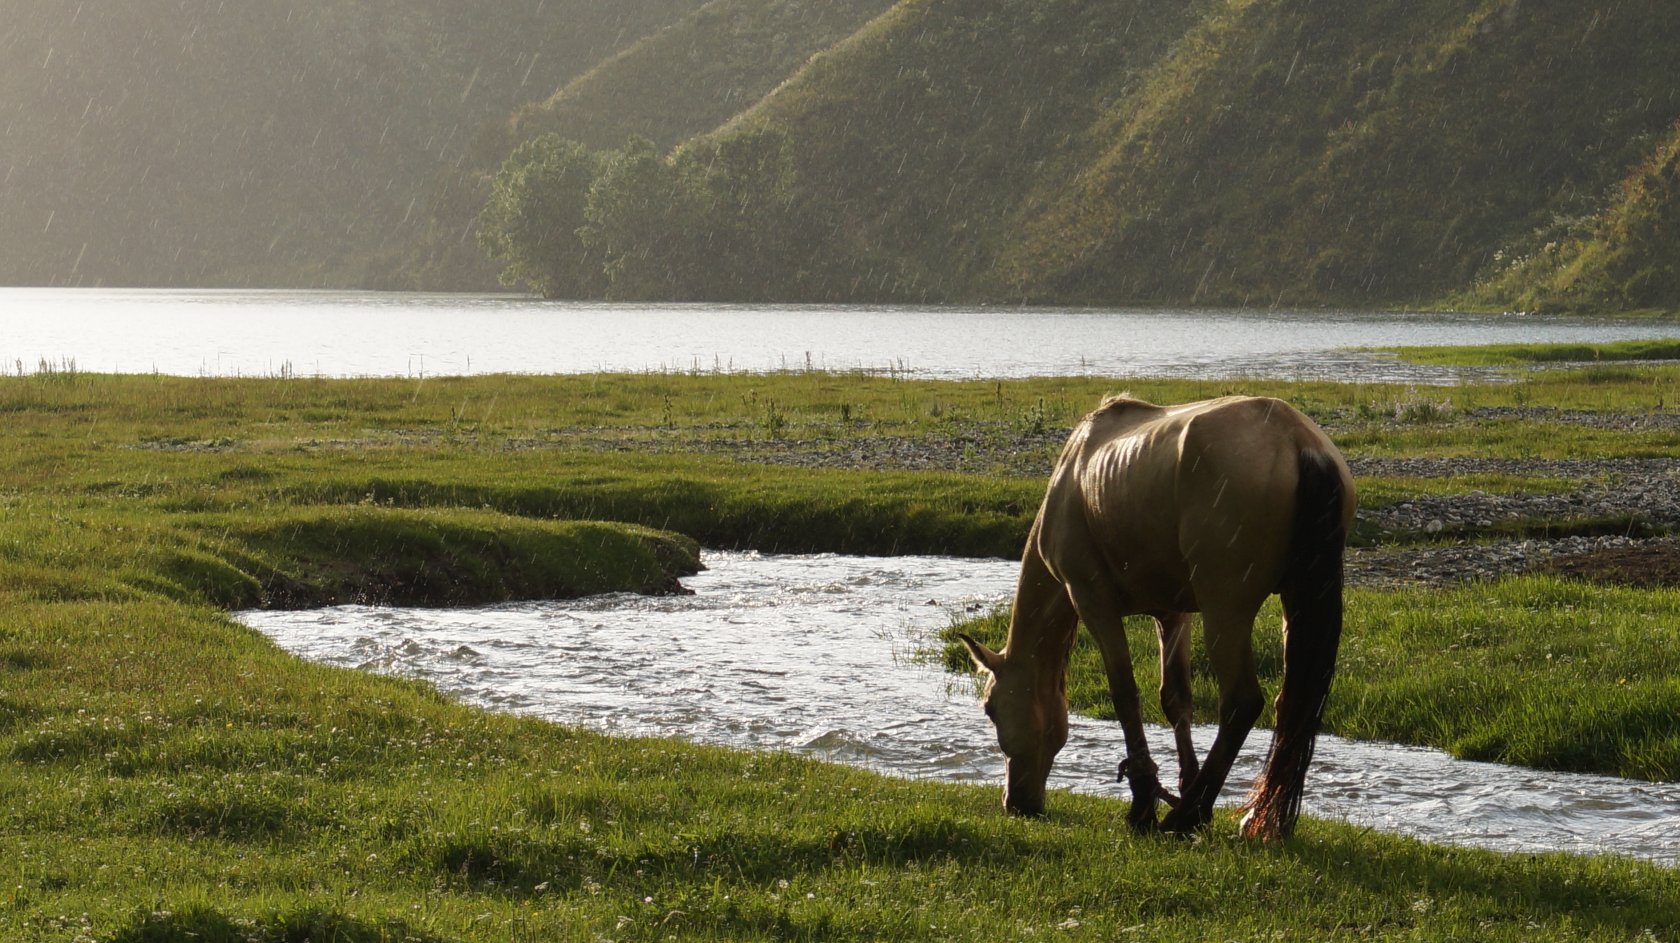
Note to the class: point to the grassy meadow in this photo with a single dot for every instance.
(168, 774)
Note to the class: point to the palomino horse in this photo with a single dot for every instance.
(1207, 507)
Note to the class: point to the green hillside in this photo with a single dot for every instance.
(1235, 152)
(1495, 153)
(921, 140)
(199, 142)
(671, 85)
(1310, 152)
(1627, 256)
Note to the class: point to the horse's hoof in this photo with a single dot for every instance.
(1262, 828)
(1143, 824)
(1183, 820)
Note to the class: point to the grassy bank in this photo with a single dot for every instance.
(165, 771)
(169, 775)
(1498, 355)
(1535, 671)
(180, 443)
(306, 556)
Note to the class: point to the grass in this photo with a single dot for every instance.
(1502, 355)
(1535, 671)
(301, 556)
(166, 773)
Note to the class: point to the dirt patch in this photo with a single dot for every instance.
(1648, 566)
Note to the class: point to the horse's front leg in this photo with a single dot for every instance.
(1100, 608)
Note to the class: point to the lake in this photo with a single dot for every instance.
(299, 333)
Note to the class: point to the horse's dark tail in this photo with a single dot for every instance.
(1312, 611)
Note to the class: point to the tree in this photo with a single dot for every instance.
(531, 222)
(758, 242)
(647, 225)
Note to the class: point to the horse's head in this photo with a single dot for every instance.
(1029, 711)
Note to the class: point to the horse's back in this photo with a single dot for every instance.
(1173, 503)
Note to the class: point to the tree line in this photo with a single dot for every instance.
(717, 219)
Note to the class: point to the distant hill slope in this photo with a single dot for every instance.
(922, 141)
(1214, 152)
(1626, 256)
(1515, 153)
(202, 142)
(1297, 151)
(681, 81)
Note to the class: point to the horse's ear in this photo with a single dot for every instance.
(984, 658)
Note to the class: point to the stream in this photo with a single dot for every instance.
(820, 655)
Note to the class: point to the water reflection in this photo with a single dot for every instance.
(269, 333)
(817, 655)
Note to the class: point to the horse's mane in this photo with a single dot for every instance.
(1119, 402)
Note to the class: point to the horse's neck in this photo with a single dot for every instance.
(1043, 622)
(1045, 648)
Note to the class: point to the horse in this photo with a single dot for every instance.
(1206, 507)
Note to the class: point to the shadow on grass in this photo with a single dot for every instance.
(518, 864)
(1595, 899)
(13, 714)
(306, 926)
(230, 818)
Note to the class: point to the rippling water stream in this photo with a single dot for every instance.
(816, 654)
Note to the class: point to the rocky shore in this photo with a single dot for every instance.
(1608, 520)
(1599, 519)
(1648, 562)
(1619, 511)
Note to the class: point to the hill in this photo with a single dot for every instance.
(198, 142)
(669, 86)
(1325, 153)
(1497, 153)
(1250, 152)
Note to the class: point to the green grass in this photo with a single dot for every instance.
(1499, 355)
(621, 448)
(1507, 438)
(1534, 671)
(315, 555)
(167, 774)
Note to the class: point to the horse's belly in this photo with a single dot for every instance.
(1152, 580)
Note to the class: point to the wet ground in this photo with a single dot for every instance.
(1653, 565)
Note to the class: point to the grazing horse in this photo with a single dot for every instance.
(1206, 507)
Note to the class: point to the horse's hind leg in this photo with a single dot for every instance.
(1176, 701)
(1100, 608)
(1230, 645)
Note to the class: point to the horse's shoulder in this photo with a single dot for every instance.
(1121, 412)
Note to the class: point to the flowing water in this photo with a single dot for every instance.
(296, 333)
(818, 655)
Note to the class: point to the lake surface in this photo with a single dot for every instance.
(270, 333)
(819, 655)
